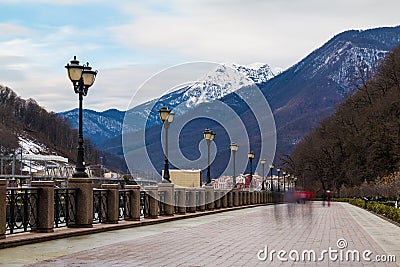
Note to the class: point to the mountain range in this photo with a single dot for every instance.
(300, 97)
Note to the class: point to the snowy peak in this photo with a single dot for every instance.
(225, 79)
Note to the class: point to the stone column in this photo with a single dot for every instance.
(235, 193)
(224, 198)
(45, 206)
(192, 199)
(252, 197)
(168, 189)
(112, 202)
(134, 202)
(3, 207)
(153, 201)
(84, 201)
(230, 198)
(209, 197)
(217, 199)
(181, 199)
(202, 199)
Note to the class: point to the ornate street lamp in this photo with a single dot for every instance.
(82, 77)
(251, 157)
(263, 162)
(167, 117)
(271, 167)
(234, 148)
(279, 186)
(209, 135)
(284, 183)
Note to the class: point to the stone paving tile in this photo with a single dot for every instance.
(234, 240)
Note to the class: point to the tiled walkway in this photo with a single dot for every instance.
(228, 239)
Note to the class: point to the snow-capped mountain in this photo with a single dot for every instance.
(98, 125)
(300, 97)
(216, 84)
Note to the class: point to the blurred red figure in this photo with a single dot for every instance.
(328, 197)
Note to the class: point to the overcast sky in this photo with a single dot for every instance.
(127, 41)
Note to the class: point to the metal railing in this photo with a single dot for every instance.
(64, 206)
(144, 204)
(197, 200)
(161, 202)
(100, 198)
(176, 198)
(124, 209)
(187, 201)
(22, 209)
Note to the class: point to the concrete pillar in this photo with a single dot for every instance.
(224, 198)
(84, 200)
(153, 201)
(3, 207)
(202, 198)
(230, 198)
(192, 199)
(235, 194)
(209, 197)
(134, 202)
(112, 202)
(45, 206)
(217, 199)
(240, 194)
(168, 189)
(181, 199)
(244, 194)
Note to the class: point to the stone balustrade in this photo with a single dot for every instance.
(130, 204)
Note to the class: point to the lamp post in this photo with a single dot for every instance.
(279, 186)
(167, 117)
(251, 157)
(284, 185)
(209, 135)
(234, 148)
(271, 167)
(263, 162)
(82, 77)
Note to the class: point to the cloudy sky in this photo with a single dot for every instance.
(127, 41)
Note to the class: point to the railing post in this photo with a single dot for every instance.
(230, 198)
(134, 197)
(235, 194)
(45, 221)
(112, 202)
(202, 199)
(192, 199)
(84, 201)
(209, 197)
(182, 199)
(3, 208)
(224, 198)
(168, 189)
(217, 199)
(153, 201)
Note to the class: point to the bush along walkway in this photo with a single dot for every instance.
(388, 212)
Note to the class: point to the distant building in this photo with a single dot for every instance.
(185, 178)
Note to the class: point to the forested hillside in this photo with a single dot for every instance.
(360, 143)
(25, 118)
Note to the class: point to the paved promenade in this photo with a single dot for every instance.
(235, 238)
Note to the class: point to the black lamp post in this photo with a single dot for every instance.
(82, 77)
(284, 182)
(279, 186)
(234, 148)
(251, 157)
(167, 117)
(209, 135)
(271, 167)
(263, 161)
